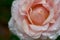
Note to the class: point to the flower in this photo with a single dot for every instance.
(35, 18)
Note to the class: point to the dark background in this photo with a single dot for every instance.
(5, 14)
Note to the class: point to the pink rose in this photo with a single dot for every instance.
(35, 18)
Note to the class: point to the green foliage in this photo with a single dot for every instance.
(14, 37)
(58, 38)
(5, 10)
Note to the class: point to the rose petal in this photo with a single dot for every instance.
(56, 25)
(39, 28)
(29, 32)
(52, 21)
(50, 16)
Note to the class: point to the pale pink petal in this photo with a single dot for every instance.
(49, 17)
(39, 28)
(29, 32)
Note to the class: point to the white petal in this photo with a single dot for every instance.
(51, 35)
(56, 25)
(29, 32)
(39, 28)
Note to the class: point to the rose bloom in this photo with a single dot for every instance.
(33, 19)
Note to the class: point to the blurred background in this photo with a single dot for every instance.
(5, 14)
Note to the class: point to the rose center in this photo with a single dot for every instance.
(39, 15)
